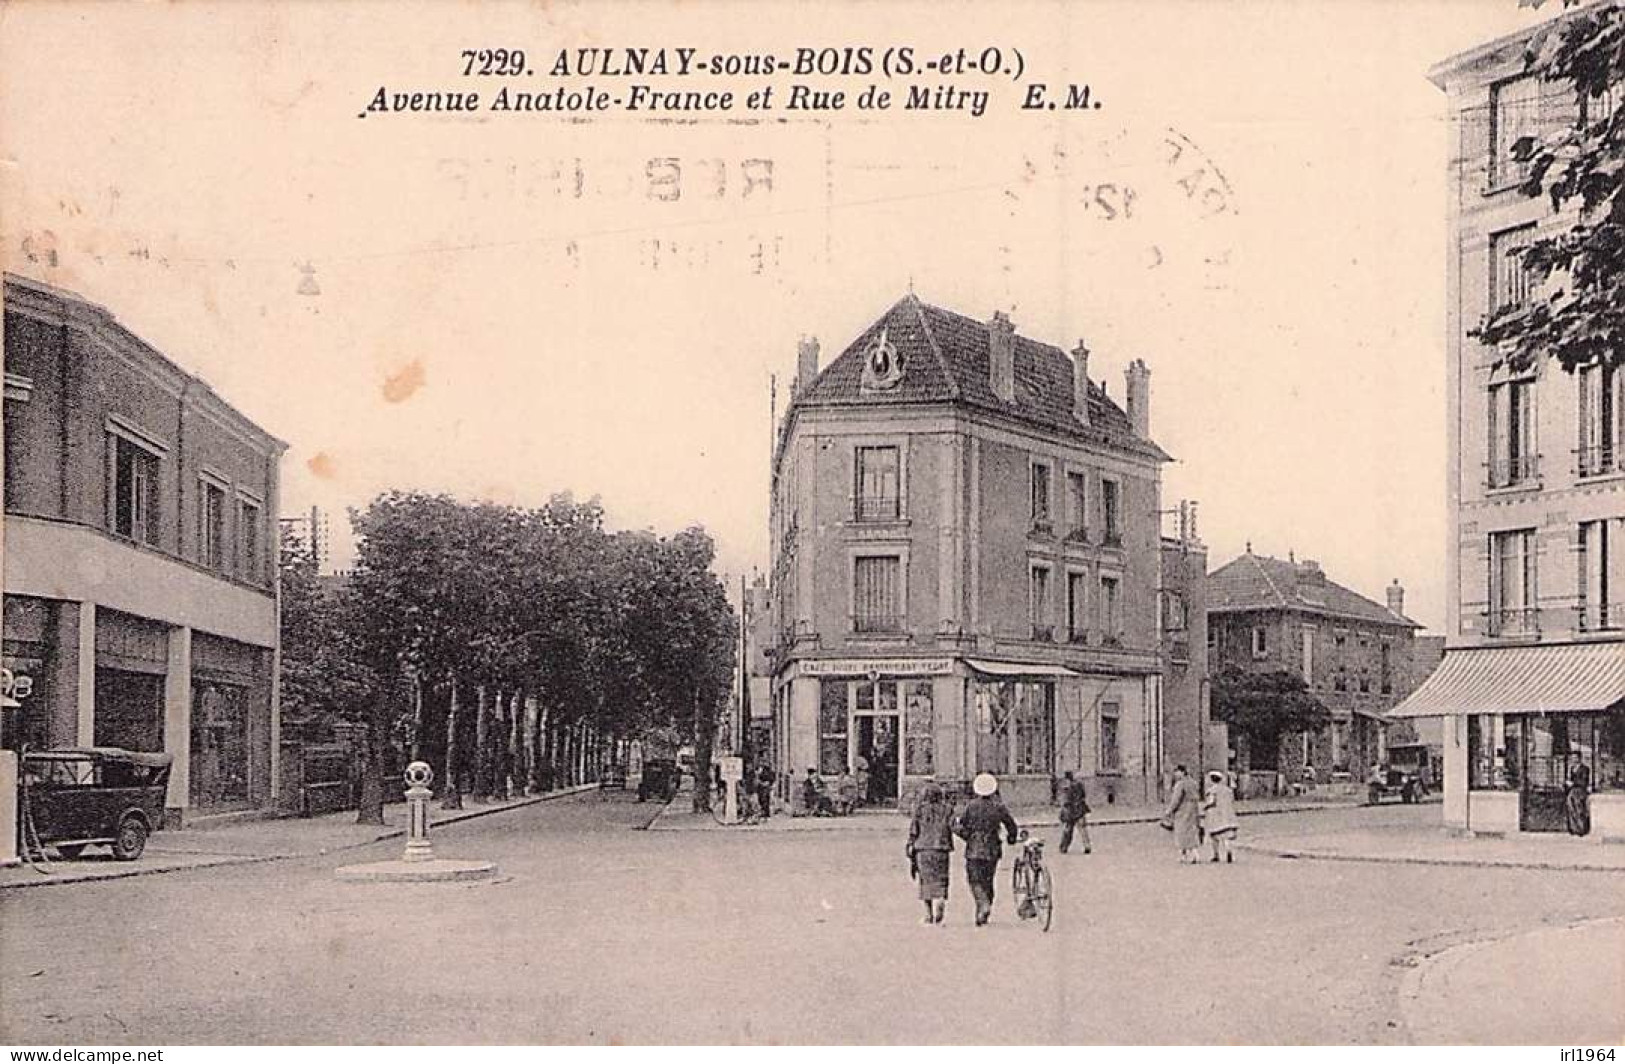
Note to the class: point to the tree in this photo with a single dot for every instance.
(1263, 706)
(1579, 314)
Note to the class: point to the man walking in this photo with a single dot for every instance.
(979, 826)
(1074, 813)
(764, 789)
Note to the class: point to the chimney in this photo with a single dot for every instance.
(1080, 382)
(806, 363)
(1396, 598)
(1309, 570)
(1138, 379)
(1001, 356)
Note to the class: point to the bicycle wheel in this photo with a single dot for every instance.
(1043, 898)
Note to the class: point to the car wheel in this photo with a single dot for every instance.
(70, 850)
(132, 839)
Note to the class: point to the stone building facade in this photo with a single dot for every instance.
(140, 554)
(967, 560)
(1533, 679)
(1269, 615)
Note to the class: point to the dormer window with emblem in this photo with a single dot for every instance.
(883, 365)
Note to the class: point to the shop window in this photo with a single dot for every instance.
(919, 728)
(219, 758)
(994, 708)
(132, 490)
(832, 727)
(878, 484)
(1493, 752)
(1035, 726)
(1015, 727)
(1111, 758)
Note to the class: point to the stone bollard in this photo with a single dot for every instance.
(418, 778)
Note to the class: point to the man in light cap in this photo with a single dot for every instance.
(978, 824)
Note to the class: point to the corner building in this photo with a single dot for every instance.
(140, 555)
(967, 554)
(1532, 684)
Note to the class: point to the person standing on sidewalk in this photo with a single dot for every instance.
(1074, 813)
(1577, 801)
(979, 826)
(930, 841)
(1180, 817)
(764, 789)
(1219, 816)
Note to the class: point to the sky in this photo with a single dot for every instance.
(506, 305)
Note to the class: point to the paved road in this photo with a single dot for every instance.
(599, 933)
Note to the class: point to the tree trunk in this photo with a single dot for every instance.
(482, 744)
(705, 728)
(370, 807)
(417, 717)
(450, 796)
(535, 783)
(515, 776)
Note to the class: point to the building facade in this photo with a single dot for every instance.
(1269, 615)
(967, 561)
(140, 554)
(1533, 680)
(1190, 737)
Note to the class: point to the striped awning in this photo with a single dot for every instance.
(1561, 678)
(1016, 668)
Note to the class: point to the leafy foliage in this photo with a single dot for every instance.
(1266, 705)
(1579, 316)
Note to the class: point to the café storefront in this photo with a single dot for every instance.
(1520, 725)
(946, 718)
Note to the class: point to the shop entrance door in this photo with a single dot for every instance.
(876, 740)
(1544, 750)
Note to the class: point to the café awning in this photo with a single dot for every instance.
(1553, 678)
(1016, 668)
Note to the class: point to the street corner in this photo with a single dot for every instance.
(1457, 995)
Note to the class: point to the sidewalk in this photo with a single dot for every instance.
(677, 816)
(1459, 996)
(249, 841)
(1432, 845)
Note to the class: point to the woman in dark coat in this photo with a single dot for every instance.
(1577, 801)
(930, 841)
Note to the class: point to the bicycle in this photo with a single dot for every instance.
(1030, 882)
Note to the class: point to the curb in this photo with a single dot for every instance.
(57, 879)
(1284, 853)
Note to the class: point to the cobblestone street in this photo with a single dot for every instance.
(596, 932)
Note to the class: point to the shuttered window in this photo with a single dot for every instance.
(875, 594)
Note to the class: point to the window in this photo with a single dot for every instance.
(1309, 654)
(1110, 519)
(832, 727)
(1595, 604)
(1512, 458)
(1516, 111)
(875, 594)
(1077, 488)
(1365, 682)
(1488, 740)
(878, 495)
(1040, 486)
(1110, 619)
(919, 726)
(1261, 641)
(1598, 452)
(1385, 667)
(1340, 679)
(248, 540)
(1511, 281)
(133, 490)
(1512, 583)
(1213, 643)
(1042, 626)
(1110, 753)
(1015, 727)
(211, 524)
(1077, 607)
(1174, 616)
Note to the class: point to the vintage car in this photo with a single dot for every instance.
(660, 779)
(95, 796)
(1395, 783)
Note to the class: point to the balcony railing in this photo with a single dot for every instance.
(1521, 620)
(877, 623)
(1511, 472)
(878, 508)
(1598, 461)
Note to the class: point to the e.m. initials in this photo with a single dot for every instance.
(1078, 98)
